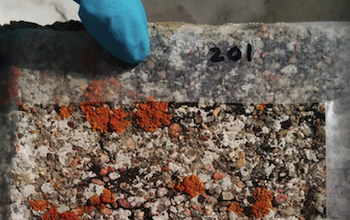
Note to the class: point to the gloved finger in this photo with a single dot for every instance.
(120, 26)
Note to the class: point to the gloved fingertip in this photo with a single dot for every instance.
(120, 28)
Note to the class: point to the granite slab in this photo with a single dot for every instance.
(281, 63)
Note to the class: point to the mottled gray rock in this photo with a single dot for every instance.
(72, 59)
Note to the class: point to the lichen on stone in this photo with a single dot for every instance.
(152, 115)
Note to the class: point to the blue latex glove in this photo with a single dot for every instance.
(120, 26)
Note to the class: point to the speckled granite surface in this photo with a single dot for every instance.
(291, 63)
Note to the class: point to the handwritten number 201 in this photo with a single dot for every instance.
(233, 54)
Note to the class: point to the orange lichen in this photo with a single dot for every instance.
(107, 196)
(39, 205)
(191, 185)
(52, 214)
(263, 205)
(65, 112)
(261, 208)
(262, 195)
(234, 207)
(97, 115)
(118, 123)
(80, 210)
(103, 206)
(95, 200)
(101, 118)
(68, 216)
(152, 115)
(261, 107)
(89, 208)
(178, 187)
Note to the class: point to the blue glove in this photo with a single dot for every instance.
(120, 26)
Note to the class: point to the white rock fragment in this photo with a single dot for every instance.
(162, 191)
(174, 167)
(62, 153)
(46, 187)
(83, 139)
(136, 200)
(251, 138)
(277, 125)
(28, 190)
(237, 189)
(24, 161)
(173, 209)
(269, 169)
(290, 69)
(121, 159)
(232, 154)
(306, 130)
(230, 129)
(310, 154)
(290, 46)
(232, 216)
(270, 215)
(209, 157)
(88, 174)
(186, 159)
(290, 167)
(92, 190)
(123, 214)
(16, 195)
(62, 208)
(265, 130)
(226, 183)
(43, 151)
(204, 178)
(290, 135)
(17, 212)
(179, 198)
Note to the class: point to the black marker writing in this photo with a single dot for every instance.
(216, 57)
(233, 54)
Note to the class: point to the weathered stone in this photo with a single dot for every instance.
(227, 195)
(174, 130)
(289, 211)
(218, 176)
(241, 159)
(123, 203)
(130, 143)
(162, 191)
